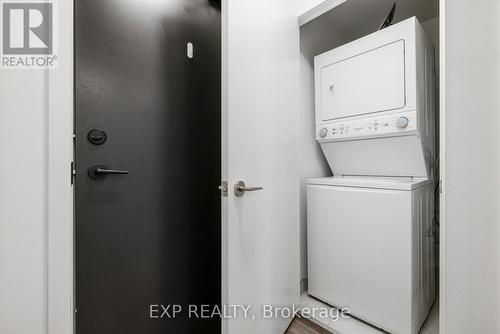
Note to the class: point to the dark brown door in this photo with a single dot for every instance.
(147, 123)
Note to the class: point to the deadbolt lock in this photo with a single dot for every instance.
(97, 136)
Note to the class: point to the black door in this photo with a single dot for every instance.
(146, 106)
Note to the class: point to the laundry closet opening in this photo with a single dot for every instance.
(369, 143)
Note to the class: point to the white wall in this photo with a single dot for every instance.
(35, 209)
(23, 201)
(472, 226)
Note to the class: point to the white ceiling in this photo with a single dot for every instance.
(357, 18)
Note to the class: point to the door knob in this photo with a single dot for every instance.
(99, 172)
(240, 188)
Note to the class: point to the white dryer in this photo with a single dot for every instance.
(370, 244)
(375, 104)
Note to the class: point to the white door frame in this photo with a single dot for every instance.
(224, 160)
(442, 165)
(60, 313)
(59, 235)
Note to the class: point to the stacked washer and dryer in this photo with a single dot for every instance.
(370, 240)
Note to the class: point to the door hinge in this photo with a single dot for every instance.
(223, 188)
(440, 186)
(73, 172)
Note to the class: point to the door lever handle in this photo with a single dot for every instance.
(240, 188)
(110, 171)
(99, 172)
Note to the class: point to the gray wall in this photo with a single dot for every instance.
(472, 230)
(313, 41)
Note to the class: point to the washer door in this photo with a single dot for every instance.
(359, 247)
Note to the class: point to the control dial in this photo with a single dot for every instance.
(323, 132)
(402, 122)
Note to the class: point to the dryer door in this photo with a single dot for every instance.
(369, 82)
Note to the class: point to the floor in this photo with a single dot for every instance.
(303, 326)
(349, 325)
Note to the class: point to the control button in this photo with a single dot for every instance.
(402, 122)
(323, 132)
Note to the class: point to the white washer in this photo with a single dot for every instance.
(369, 228)
(370, 248)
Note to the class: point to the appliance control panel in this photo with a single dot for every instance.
(400, 123)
